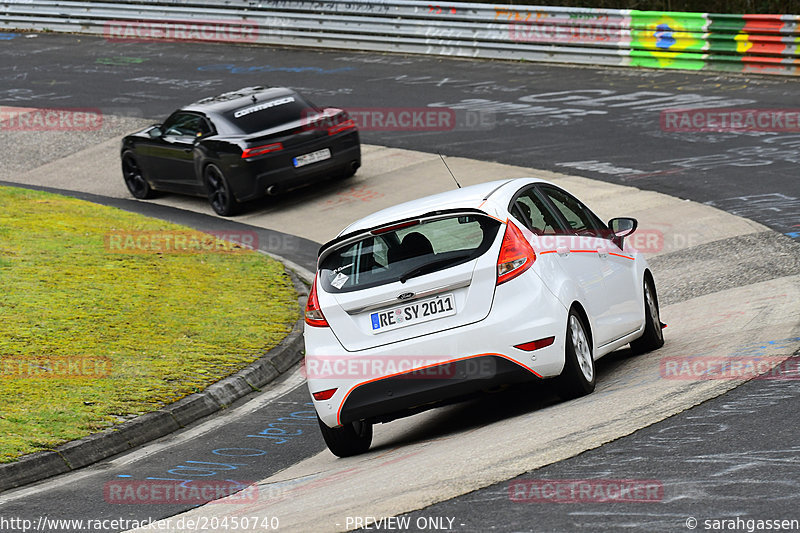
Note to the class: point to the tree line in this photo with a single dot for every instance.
(701, 6)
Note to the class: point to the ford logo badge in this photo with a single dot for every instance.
(406, 296)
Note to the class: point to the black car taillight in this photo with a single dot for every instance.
(261, 150)
(348, 124)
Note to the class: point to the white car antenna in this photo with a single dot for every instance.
(448, 169)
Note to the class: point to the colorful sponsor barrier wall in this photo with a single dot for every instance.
(741, 43)
(652, 39)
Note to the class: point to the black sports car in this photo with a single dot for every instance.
(240, 146)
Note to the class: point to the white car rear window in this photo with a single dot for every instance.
(420, 249)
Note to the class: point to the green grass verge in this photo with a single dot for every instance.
(145, 329)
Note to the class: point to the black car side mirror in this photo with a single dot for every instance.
(621, 227)
(155, 132)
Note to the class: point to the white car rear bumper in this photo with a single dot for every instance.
(386, 381)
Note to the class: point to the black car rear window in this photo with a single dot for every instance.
(269, 113)
(408, 252)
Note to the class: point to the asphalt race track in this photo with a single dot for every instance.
(601, 123)
(735, 455)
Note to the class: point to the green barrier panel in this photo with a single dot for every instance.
(671, 60)
(722, 24)
(665, 39)
(668, 41)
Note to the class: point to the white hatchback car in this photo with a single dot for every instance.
(435, 299)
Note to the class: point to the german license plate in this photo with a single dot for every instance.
(313, 157)
(413, 313)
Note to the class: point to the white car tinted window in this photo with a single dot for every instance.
(579, 218)
(419, 249)
(532, 211)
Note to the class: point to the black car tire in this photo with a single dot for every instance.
(134, 179)
(220, 195)
(653, 336)
(350, 439)
(579, 376)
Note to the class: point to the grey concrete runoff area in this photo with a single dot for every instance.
(725, 283)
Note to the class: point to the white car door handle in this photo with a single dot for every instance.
(602, 253)
(562, 251)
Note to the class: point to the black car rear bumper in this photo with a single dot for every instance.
(278, 174)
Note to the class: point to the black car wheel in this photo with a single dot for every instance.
(653, 336)
(220, 195)
(134, 179)
(578, 377)
(350, 439)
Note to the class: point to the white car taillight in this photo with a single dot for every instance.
(313, 314)
(516, 255)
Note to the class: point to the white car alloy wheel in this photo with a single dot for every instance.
(578, 376)
(581, 347)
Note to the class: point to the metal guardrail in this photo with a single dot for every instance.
(741, 43)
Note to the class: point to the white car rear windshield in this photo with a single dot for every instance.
(414, 250)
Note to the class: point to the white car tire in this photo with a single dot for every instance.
(350, 439)
(579, 376)
(653, 337)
